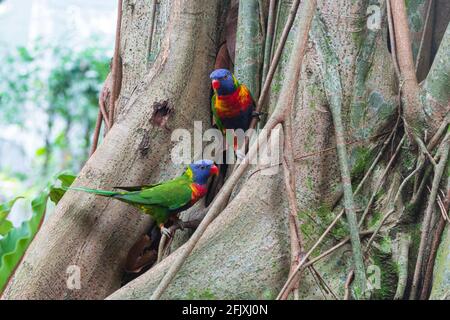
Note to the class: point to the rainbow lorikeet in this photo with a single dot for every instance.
(232, 104)
(164, 200)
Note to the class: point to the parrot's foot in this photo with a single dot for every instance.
(179, 224)
(165, 231)
(256, 114)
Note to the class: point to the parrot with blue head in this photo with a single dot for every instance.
(232, 103)
(232, 107)
(166, 199)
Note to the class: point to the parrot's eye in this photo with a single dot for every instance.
(202, 167)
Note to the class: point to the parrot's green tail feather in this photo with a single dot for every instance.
(104, 193)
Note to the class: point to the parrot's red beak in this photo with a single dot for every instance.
(216, 84)
(214, 170)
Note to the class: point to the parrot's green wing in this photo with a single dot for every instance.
(216, 117)
(173, 194)
(137, 188)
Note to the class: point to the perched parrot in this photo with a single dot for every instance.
(232, 107)
(232, 104)
(164, 200)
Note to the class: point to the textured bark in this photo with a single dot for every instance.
(437, 85)
(421, 33)
(209, 272)
(332, 85)
(441, 275)
(94, 233)
(414, 117)
(442, 12)
(244, 253)
(249, 48)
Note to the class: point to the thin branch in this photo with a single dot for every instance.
(319, 285)
(392, 39)
(403, 45)
(262, 18)
(437, 136)
(152, 25)
(420, 163)
(369, 244)
(380, 182)
(323, 282)
(102, 115)
(413, 108)
(444, 150)
(424, 32)
(161, 247)
(383, 220)
(289, 179)
(347, 284)
(417, 191)
(349, 205)
(115, 65)
(333, 88)
(273, 64)
(98, 125)
(334, 248)
(428, 275)
(402, 263)
(101, 105)
(275, 31)
(269, 39)
(417, 195)
(434, 248)
(362, 141)
(424, 149)
(276, 58)
(444, 210)
(379, 155)
(290, 183)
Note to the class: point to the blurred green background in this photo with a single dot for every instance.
(54, 58)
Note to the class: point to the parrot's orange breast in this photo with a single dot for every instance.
(198, 192)
(231, 105)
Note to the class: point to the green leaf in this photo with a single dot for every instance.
(61, 140)
(17, 240)
(5, 226)
(5, 208)
(66, 178)
(56, 193)
(41, 151)
(24, 54)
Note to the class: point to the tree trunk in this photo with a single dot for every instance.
(244, 253)
(94, 233)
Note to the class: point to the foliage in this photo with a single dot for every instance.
(20, 82)
(53, 77)
(5, 208)
(16, 240)
(59, 85)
